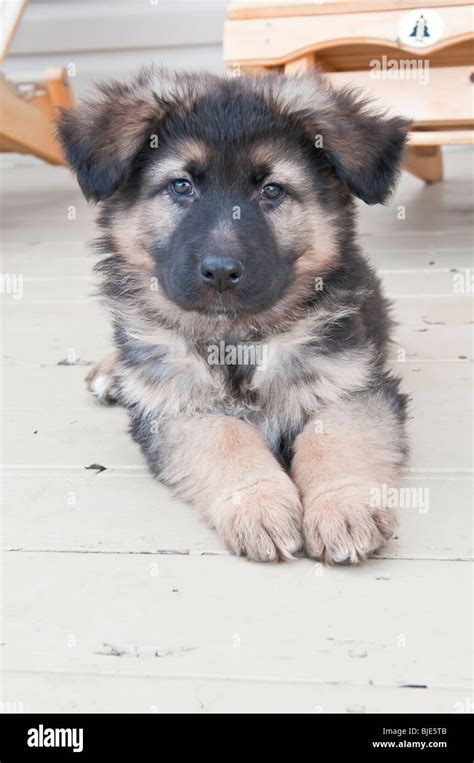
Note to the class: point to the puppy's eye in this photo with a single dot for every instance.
(272, 191)
(182, 187)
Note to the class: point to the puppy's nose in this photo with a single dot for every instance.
(221, 272)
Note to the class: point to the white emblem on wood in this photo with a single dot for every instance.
(420, 29)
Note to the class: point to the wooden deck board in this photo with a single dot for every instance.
(54, 509)
(187, 616)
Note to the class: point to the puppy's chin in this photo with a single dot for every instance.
(216, 310)
(212, 303)
(220, 311)
(225, 309)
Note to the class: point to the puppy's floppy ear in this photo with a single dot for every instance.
(103, 136)
(363, 145)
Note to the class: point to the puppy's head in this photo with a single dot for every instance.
(229, 194)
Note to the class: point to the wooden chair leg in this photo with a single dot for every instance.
(58, 88)
(425, 162)
(26, 126)
(10, 15)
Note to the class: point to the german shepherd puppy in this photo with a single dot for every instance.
(250, 331)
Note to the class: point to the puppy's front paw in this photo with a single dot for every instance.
(340, 525)
(262, 520)
(101, 380)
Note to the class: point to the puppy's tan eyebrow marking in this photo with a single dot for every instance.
(287, 173)
(185, 155)
(279, 169)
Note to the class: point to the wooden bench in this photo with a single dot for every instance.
(29, 103)
(419, 63)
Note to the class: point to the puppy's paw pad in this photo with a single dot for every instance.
(262, 522)
(342, 526)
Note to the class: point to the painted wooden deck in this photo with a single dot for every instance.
(116, 597)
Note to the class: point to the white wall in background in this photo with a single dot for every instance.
(112, 39)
